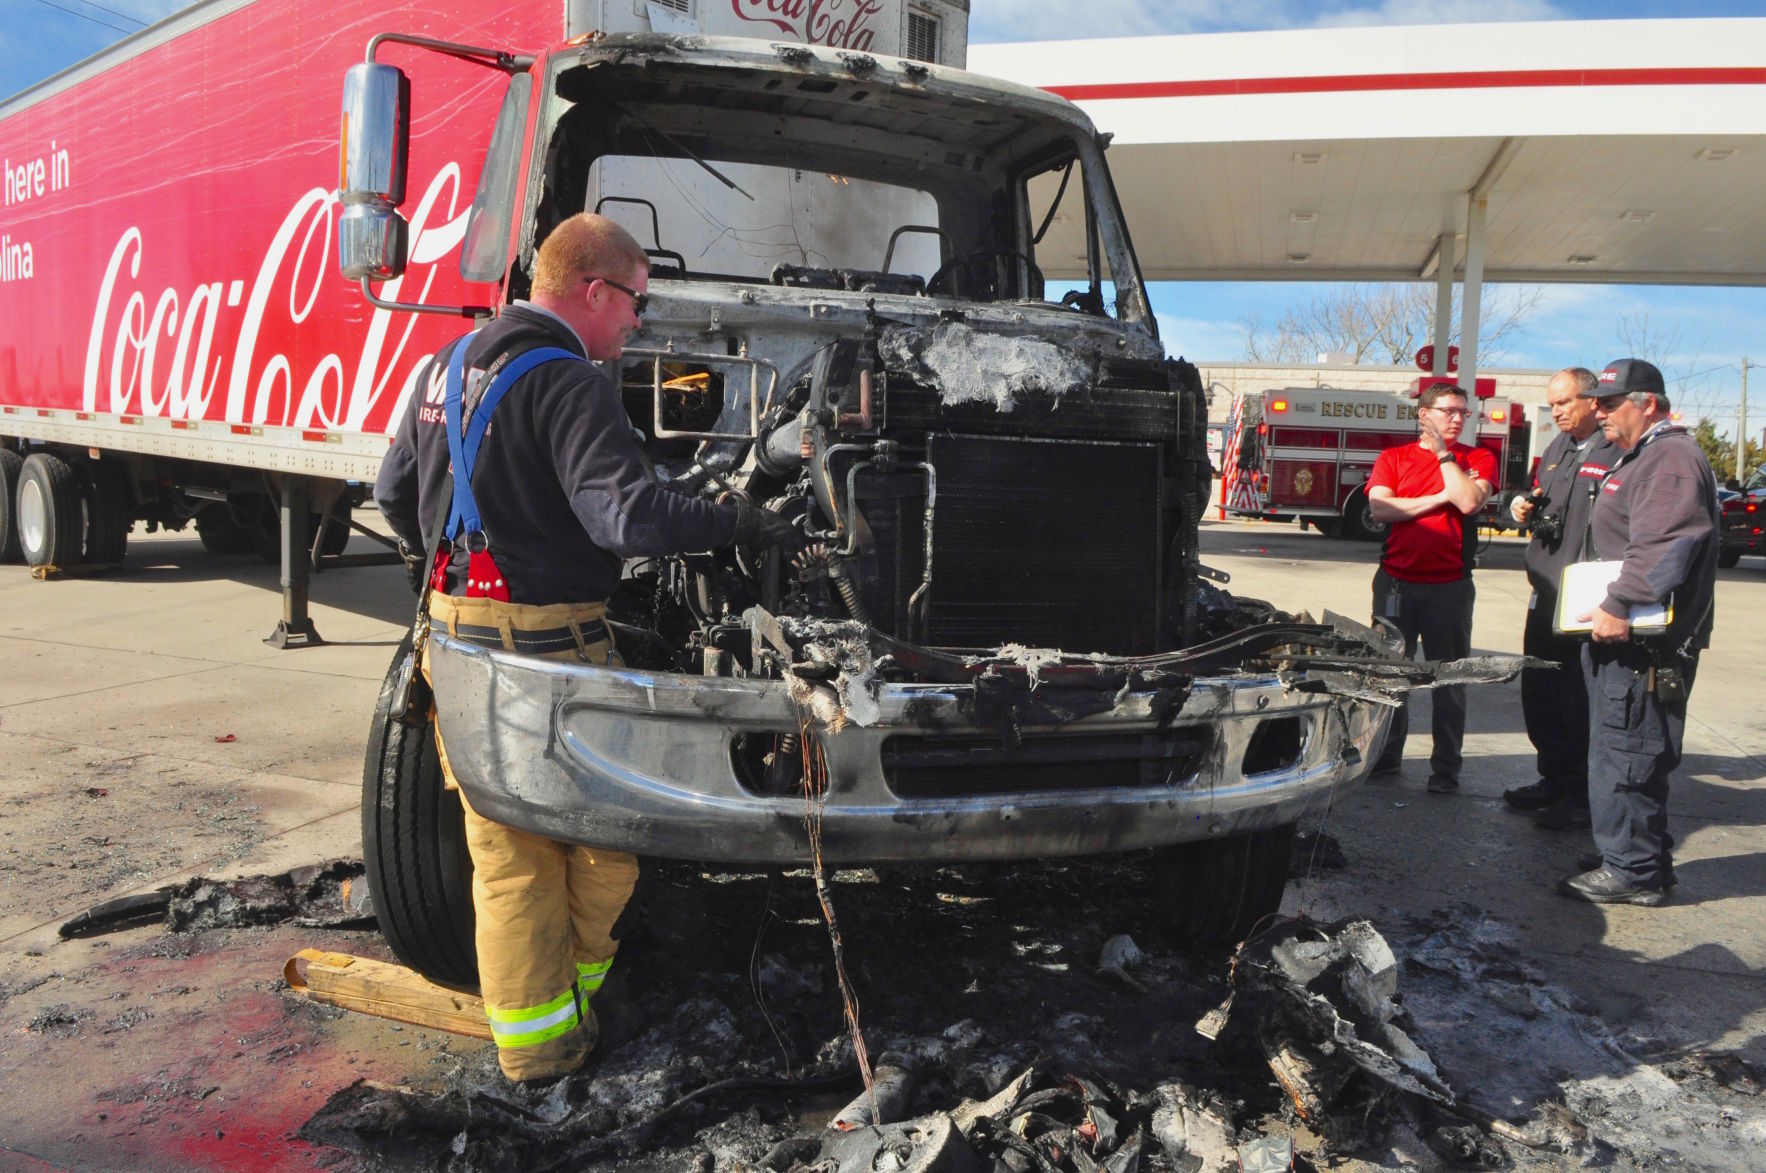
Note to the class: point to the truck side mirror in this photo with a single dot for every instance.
(371, 235)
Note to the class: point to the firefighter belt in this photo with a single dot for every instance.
(545, 909)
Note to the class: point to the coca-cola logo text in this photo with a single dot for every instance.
(128, 369)
(839, 24)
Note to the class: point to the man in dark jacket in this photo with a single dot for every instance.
(1560, 508)
(563, 496)
(1657, 514)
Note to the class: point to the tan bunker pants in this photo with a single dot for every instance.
(545, 909)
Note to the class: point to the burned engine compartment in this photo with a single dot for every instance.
(952, 488)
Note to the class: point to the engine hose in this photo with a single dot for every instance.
(849, 594)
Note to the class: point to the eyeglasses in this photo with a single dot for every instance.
(1458, 413)
(1611, 402)
(640, 301)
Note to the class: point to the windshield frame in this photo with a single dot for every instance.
(957, 98)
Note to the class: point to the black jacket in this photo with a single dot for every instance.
(1657, 511)
(1570, 483)
(561, 485)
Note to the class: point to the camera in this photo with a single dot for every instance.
(1547, 527)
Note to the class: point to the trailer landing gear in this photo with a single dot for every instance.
(295, 629)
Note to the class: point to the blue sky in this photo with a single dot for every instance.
(1711, 328)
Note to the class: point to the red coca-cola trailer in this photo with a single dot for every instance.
(176, 346)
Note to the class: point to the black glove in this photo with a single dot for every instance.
(415, 570)
(759, 528)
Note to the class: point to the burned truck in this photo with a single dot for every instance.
(997, 641)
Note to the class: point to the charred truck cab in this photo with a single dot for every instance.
(997, 642)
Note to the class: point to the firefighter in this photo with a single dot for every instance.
(1553, 699)
(1430, 492)
(557, 496)
(1656, 515)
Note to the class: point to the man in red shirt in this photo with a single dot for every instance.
(1429, 492)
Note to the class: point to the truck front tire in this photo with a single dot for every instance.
(51, 522)
(1217, 890)
(414, 848)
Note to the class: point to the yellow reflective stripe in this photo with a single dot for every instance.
(590, 975)
(533, 1038)
(528, 1025)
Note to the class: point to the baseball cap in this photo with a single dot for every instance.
(1625, 376)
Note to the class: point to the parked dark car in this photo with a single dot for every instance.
(1744, 517)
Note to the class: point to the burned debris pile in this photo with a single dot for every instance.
(1035, 1017)
(1014, 1028)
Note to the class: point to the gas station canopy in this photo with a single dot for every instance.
(1586, 151)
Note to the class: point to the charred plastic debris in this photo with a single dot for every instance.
(329, 895)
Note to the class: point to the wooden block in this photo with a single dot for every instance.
(385, 991)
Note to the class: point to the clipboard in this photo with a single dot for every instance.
(1583, 587)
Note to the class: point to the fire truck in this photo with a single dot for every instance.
(1307, 452)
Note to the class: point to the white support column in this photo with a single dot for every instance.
(1445, 248)
(1471, 296)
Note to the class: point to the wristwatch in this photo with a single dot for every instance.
(1444, 458)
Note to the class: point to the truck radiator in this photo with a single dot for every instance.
(1051, 543)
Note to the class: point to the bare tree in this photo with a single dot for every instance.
(1689, 381)
(1382, 323)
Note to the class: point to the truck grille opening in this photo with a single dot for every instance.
(955, 767)
(1275, 745)
(1052, 543)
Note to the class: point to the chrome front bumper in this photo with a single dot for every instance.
(642, 762)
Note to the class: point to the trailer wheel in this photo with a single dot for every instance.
(110, 511)
(337, 533)
(265, 536)
(50, 522)
(1728, 557)
(414, 848)
(221, 532)
(1358, 519)
(1217, 890)
(10, 463)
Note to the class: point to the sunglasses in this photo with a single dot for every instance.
(640, 301)
(1611, 402)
